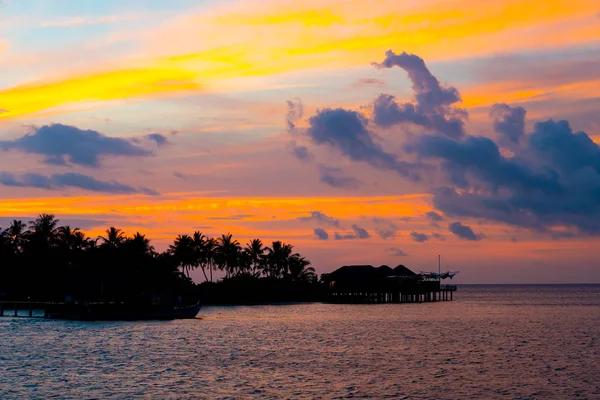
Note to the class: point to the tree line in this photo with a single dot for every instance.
(226, 254)
(47, 260)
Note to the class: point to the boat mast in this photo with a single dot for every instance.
(439, 268)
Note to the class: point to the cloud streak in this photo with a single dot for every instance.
(336, 178)
(70, 180)
(358, 233)
(318, 216)
(396, 252)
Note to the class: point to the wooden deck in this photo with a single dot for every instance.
(413, 294)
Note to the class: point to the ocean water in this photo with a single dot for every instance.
(492, 342)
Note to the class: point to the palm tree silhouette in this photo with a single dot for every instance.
(44, 229)
(140, 245)
(114, 237)
(16, 235)
(256, 254)
(210, 255)
(277, 259)
(228, 252)
(184, 253)
(199, 244)
(299, 271)
(68, 237)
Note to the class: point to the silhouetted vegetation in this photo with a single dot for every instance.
(44, 261)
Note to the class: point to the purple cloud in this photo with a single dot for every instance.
(509, 122)
(301, 152)
(336, 178)
(433, 103)
(321, 234)
(318, 216)
(346, 131)
(70, 180)
(435, 217)
(549, 182)
(64, 145)
(419, 237)
(464, 231)
(359, 233)
(396, 252)
(158, 139)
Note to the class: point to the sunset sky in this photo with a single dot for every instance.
(377, 132)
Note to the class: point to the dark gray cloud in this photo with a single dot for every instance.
(419, 237)
(301, 152)
(387, 112)
(187, 177)
(396, 252)
(321, 234)
(336, 178)
(432, 107)
(63, 145)
(428, 90)
(359, 233)
(438, 236)
(435, 217)
(27, 180)
(158, 139)
(509, 122)
(481, 157)
(70, 180)
(318, 216)
(568, 151)
(386, 229)
(386, 233)
(464, 231)
(234, 217)
(346, 131)
(552, 181)
(548, 181)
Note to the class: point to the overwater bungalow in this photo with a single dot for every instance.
(368, 284)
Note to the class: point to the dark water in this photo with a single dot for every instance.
(514, 342)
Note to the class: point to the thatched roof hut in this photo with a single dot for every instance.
(368, 273)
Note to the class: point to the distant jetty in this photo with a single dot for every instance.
(368, 284)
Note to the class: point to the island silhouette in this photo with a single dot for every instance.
(124, 277)
(45, 261)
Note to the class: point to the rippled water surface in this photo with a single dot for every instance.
(512, 342)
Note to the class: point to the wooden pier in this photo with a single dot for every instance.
(445, 293)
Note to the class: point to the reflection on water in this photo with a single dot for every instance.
(493, 342)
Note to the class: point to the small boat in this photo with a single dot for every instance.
(117, 311)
